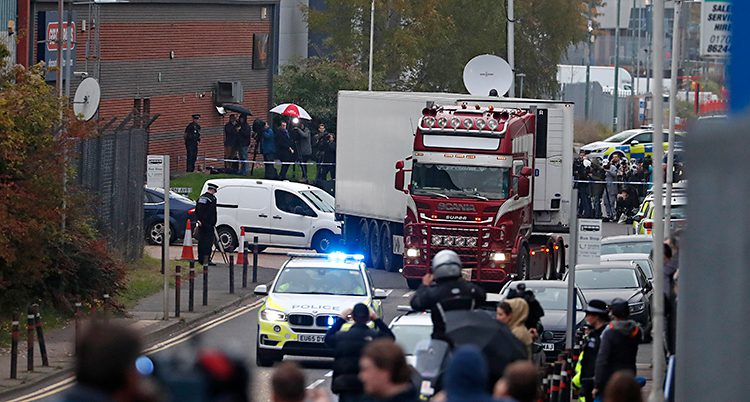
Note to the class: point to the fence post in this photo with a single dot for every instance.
(205, 283)
(29, 339)
(40, 335)
(231, 274)
(106, 307)
(14, 347)
(191, 287)
(244, 266)
(255, 259)
(177, 290)
(78, 324)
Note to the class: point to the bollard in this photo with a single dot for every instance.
(40, 335)
(548, 382)
(555, 394)
(78, 324)
(564, 383)
(14, 348)
(231, 274)
(191, 287)
(106, 307)
(177, 291)
(205, 283)
(255, 259)
(244, 267)
(30, 340)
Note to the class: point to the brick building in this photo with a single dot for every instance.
(167, 57)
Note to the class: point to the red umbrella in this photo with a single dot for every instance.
(291, 110)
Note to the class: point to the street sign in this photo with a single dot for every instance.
(155, 171)
(716, 26)
(589, 241)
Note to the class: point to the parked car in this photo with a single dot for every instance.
(279, 213)
(181, 209)
(642, 260)
(627, 244)
(553, 296)
(608, 280)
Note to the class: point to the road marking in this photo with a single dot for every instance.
(329, 374)
(206, 326)
(388, 292)
(316, 383)
(409, 293)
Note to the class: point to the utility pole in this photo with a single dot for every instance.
(617, 68)
(658, 363)
(638, 53)
(511, 48)
(521, 76)
(372, 32)
(672, 114)
(60, 42)
(588, 60)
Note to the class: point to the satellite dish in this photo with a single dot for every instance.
(485, 73)
(86, 99)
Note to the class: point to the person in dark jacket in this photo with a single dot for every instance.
(243, 144)
(303, 140)
(231, 142)
(285, 148)
(467, 376)
(192, 139)
(597, 318)
(597, 189)
(348, 345)
(448, 292)
(318, 154)
(327, 152)
(618, 347)
(268, 148)
(385, 374)
(205, 216)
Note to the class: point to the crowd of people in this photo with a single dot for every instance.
(289, 146)
(611, 189)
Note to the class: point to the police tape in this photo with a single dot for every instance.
(640, 183)
(261, 163)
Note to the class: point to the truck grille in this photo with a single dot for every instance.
(462, 240)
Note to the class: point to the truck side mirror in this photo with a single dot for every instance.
(526, 171)
(523, 186)
(399, 182)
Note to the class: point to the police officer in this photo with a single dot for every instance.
(192, 139)
(444, 290)
(205, 213)
(597, 318)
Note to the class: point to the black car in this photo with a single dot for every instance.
(180, 210)
(609, 280)
(553, 296)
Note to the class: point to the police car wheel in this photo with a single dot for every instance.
(266, 358)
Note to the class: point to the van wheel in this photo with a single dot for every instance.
(323, 241)
(227, 238)
(376, 255)
(386, 245)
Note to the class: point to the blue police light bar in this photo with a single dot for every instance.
(334, 256)
(331, 320)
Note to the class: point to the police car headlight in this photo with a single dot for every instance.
(498, 257)
(272, 315)
(636, 307)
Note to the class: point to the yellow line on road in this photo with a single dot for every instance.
(70, 381)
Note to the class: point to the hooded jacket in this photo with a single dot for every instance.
(466, 377)
(617, 350)
(268, 142)
(520, 311)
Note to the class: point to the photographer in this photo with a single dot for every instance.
(303, 139)
(327, 148)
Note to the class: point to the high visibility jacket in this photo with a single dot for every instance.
(577, 377)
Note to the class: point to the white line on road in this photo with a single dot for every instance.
(316, 383)
(329, 374)
(388, 292)
(409, 293)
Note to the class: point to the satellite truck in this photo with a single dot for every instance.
(486, 176)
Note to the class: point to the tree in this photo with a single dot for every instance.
(38, 260)
(314, 83)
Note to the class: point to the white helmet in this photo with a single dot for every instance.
(446, 264)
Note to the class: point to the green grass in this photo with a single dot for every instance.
(196, 180)
(144, 279)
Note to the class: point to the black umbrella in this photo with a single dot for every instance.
(479, 328)
(237, 108)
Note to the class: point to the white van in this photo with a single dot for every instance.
(280, 213)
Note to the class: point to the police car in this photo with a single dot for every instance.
(629, 144)
(644, 223)
(303, 301)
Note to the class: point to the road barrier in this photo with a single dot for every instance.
(205, 282)
(255, 259)
(177, 290)
(231, 274)
(244, 265)
(191, 287)
(40, 334)
(241, 249)
(556, 378)
(77, 324)
(187, 243)
(14, 347)
(30, 340)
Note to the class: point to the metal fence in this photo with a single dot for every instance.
(601, 105)
(112, 166)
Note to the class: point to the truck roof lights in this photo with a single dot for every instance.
(492, 124)
(468, 124)
(455, 122)
(481, 124)
(442, 122)
(428, 121)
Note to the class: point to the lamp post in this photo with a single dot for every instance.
(372, 31)
(672, 114)
(617, 68)
(588, 62)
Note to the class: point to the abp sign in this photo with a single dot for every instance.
(53, 29)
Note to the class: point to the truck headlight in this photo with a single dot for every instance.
(272, 315)
(636, 307)
(412, 252)
(498, 257)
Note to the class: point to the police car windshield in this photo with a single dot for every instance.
(622, 136)
(321, 281)
(637, 247)
(320, 199)
(408, 336)
(460, 181)
(606, 279)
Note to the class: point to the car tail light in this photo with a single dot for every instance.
(191, 211)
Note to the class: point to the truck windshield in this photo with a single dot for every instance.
(460, 181)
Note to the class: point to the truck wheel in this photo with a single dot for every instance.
(227, 238)
(364, 240)
(524, 260)
(413, 284)
(386, 247)
(549, 270)
(560, 259)
(376, 255)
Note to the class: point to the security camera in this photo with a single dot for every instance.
(81, 74)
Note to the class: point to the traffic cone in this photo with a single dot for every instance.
(241, 251)
(187, 244)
